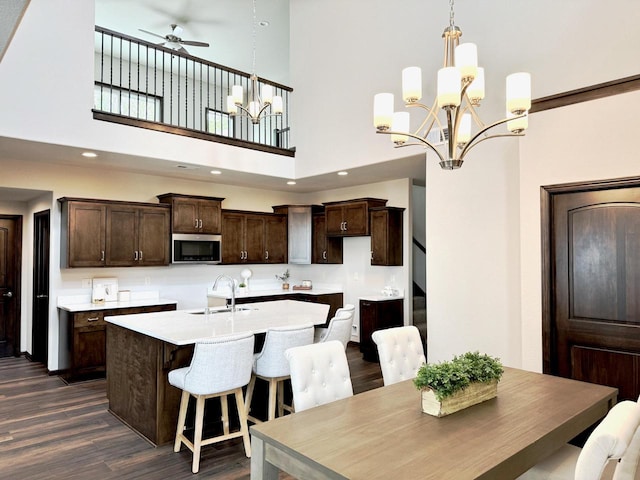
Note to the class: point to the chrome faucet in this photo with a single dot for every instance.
(232, 284)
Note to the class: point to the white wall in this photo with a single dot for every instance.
(588, 141)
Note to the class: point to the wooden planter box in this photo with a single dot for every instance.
(474, 393)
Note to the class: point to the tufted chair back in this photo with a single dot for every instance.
(400, 351)
(319, 374)
(339, 328)
(204, 375)
(271, 362)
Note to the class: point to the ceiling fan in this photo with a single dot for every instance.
(173, 40)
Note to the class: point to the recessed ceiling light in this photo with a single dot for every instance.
(343, 173)
(216, 172)
(263, 23)
(89, 154)
(291, 182)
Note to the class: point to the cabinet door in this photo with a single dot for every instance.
(86, 234)
(233, 226)
(88, 342)
(335, 220)
(319, 242)
(185, 215)
(254, 238)
(209, 216)
(356, 219)
(122, 235)
(379, 237)
(153, 236)
(275, 238)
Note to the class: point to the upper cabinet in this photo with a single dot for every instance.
(386, 236)
(251, 237)
(100, 233)
(350, 218)
(194, 214)
(325, 249)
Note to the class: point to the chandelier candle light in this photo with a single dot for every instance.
(460, 89)
(259, 102)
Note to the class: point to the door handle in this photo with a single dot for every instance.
(140, 254)
(324, 255)
(200, 223)
(102, 256)
(42, 296)
(266, 257)
(8, 294)
(135, 255)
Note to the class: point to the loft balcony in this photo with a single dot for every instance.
(141, 84)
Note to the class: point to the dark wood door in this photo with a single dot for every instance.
(10, 261)
(233, 237)
(275, 239)
(209, 215)
(40, 304)
(86, 246)
(122, 235)
(593, 327)
(185, 215)
(153, 236)
(356, 219)
(254, 238)
(335, 220)
(324, 249)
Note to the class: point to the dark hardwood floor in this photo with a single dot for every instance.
(52, 430)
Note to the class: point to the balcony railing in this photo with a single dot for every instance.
(145, 85)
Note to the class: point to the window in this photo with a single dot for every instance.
(129, 103)
(219, 123)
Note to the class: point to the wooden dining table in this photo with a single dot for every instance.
(383, 433)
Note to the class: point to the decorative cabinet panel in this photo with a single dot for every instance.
(101, 233)
(350, 218)
(324, 249)
(194, 214)
(249, 237)
(87, 338)
(386, 236)
(377, 315)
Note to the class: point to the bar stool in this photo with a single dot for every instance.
(339, 328)
(218, 368)
(272, 366)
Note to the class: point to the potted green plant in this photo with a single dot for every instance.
(242, 287)
(464, 381)
(284, 278)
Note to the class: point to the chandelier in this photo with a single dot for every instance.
(259, 101)
(460, 88)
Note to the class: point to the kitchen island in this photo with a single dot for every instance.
(143, 348)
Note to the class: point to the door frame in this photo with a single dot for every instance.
(547, 195)
(18, 280)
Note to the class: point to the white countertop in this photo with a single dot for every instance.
(84, 306)
(184, 327)
(380, 298)
(225, 293)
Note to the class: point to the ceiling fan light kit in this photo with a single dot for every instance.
(173, 40)
(460, 88)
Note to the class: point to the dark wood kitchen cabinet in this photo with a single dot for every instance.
(137, 236)
(350, 218)
(377, 315)
(194, 214)
(103, 233)
(252, 237)
(87, 338)
(324, 249)
(386, 236)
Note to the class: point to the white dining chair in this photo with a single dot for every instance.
(617, 437)
(218, 368)
(271, 366)
(319, 374)
(400, 351)
(339, 328)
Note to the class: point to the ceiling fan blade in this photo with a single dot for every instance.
(154, 34)
(194, 43)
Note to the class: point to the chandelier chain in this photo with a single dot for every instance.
(451, 14)
(253, 36)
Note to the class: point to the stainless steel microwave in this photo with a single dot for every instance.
(196, 248)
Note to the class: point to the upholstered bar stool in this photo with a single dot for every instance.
(271, 365)
(218, 368)
(319, 374)
(339, 328)
(400, 351)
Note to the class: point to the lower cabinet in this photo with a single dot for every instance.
(377, 315)
(87, 338)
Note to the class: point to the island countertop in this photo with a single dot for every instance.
(184, 327)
